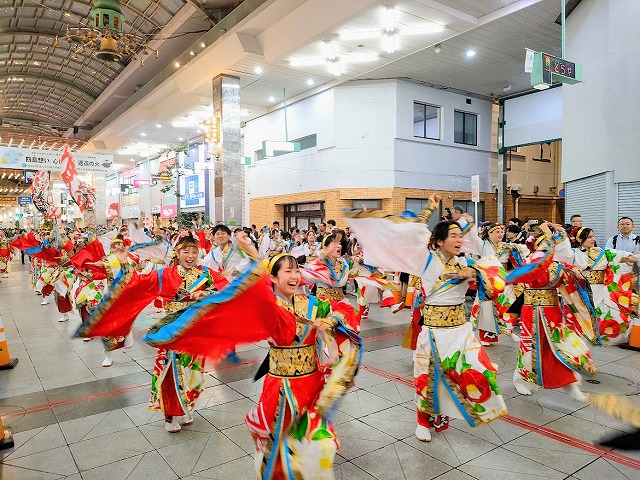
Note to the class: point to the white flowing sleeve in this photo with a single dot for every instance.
(390, 242)
(471, 242)
(210, 262)
(563, 251)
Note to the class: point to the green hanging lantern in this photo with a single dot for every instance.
(107, 17)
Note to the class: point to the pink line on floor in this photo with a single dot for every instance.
(540, 430)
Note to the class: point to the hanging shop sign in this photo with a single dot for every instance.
(36, 159)
(192, 191)
(168, 211)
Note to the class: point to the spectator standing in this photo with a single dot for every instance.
(626, 240)
(456, 213)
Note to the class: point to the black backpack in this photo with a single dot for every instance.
(615, 240)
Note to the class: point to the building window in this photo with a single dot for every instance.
(426, 121)
(416, 205)
(465, 128)
(367, 204)
(300, 215)
(468, 207)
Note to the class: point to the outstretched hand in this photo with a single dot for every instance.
(245, 243)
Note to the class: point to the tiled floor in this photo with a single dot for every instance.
(74, 419)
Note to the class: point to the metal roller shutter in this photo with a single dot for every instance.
(629, 201)
(584, 197)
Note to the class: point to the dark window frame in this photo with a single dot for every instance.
(464, 129)
(354, 203)
(424, 121)
(468, 207)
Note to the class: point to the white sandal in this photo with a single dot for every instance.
(173, 426)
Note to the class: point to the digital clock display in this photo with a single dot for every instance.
(558, 66)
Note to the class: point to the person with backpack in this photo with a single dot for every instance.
(626, 240)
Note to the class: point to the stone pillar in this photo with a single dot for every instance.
(100, 184)
(226, 191)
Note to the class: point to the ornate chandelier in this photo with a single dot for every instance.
(106, 37)
(212, 132)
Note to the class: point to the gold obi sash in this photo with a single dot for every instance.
(331, 293)
(443, 315)
(541, 297)
(594, 277)
(292, 362)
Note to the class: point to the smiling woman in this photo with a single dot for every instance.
(177, 378)
(453, 374)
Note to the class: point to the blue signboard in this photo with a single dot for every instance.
(192, 191)
(23, 201)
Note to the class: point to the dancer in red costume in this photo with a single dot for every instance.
(177, 377)
(552, 352)
(312, 362)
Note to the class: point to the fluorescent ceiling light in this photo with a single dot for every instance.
(307, 62)
(334, 67)
(359, 57)
(389, 44)
(388, 18)
(328, 50)
(359, 34)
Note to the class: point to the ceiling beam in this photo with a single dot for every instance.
(43, 32)
(508, 10)
(465, 17)
(49, 78)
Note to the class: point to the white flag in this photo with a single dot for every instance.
(528, 61)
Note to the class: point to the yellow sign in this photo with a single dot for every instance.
(8, 200)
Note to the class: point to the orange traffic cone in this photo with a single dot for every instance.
(6, 362)
(7, 438)
(634, 339)
(411, 291)
(634, 325)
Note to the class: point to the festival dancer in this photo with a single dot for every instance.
(330, 272)
(312, 361)
(610, 276)
(5, 256)
(453, 375)
(552, 353)
(103, 273)
(177, 378)
(493, 317)
(225, 259)
(55, 274)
